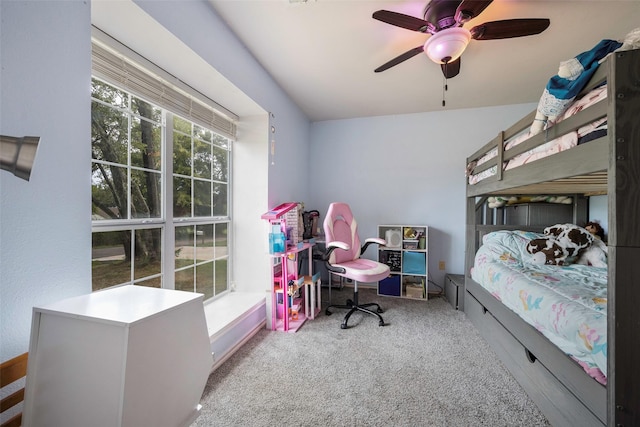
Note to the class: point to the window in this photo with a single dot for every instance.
(200, 171)
(160, 184)
(126, 141)
(201, 258)
(200, 191)
(126, 256)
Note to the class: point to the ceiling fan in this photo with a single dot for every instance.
(443, 19)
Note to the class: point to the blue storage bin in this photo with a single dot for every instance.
(414, 263)
(389, 286)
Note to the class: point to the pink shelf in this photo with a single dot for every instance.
(278, 218)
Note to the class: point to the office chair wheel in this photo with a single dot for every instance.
(349, 302)
(327, 312)
(343, 325)
(381, 323)
(380, 310)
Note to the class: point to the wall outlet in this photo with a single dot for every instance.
(441, 265)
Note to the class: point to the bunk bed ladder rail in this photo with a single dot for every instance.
(623, 296)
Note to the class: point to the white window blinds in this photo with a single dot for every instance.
(132, 72)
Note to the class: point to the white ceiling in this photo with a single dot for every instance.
(323, 52)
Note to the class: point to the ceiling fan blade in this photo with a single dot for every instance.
(401, 58)
(451, 69)
(469, 9)
(509, 28)
(402, 20)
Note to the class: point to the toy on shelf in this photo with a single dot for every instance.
(292, 289)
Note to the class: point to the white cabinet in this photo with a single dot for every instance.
(407, 254)
(127, 356)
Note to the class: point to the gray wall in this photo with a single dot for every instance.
(405, 169)
(45, 250)
(599, 211)
(45, 236)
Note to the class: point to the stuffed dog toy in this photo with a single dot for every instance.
(561, 244)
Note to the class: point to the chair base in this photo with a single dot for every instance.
(353, 306)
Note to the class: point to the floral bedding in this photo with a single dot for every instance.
(567, 304)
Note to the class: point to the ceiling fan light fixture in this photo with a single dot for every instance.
(447, 44)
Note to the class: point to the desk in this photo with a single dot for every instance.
(325, 275)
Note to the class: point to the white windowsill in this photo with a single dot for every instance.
(225, 311)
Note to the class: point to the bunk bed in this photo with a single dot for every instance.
(607, 164)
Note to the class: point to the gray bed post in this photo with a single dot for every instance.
(623, 379)
(580, 209)
(470, 243)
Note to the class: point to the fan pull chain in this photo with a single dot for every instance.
(444, 86)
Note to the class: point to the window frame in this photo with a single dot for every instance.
(166, 221)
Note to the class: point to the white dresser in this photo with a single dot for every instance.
(128, 356)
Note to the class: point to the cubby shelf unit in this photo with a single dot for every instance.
(407, 254)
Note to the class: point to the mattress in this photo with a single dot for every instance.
(567, 304)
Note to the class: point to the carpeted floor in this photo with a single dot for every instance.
(427, 367)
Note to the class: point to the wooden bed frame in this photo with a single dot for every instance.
(608, 165)
(12, 371)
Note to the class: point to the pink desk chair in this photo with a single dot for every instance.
(343, 259)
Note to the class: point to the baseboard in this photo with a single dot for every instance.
(218, 361)
(232, 321)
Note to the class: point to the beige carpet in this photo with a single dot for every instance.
(427, 367)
